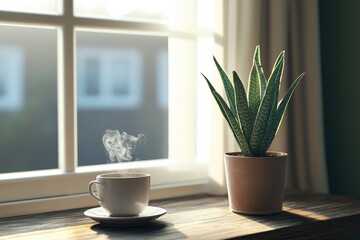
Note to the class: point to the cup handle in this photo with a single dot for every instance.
(91, 191)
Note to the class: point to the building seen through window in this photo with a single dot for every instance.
(119, 81)
(118, 87)
(11, 78)
(109, 77)
(28, 99)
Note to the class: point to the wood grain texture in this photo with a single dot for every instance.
(305, 216)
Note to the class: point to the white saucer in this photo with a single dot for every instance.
(150, 214)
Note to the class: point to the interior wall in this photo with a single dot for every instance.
(340, 51)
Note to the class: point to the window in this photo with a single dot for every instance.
(86, 66)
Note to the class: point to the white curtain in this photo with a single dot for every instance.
(292, 26)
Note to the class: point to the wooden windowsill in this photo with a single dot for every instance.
(305, 216)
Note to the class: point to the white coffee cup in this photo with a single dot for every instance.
(122, 194)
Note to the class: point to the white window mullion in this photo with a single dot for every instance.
(182, 91)
(67, 93)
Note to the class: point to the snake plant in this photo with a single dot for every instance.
(254, 116)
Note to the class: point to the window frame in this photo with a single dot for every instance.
(35, 191)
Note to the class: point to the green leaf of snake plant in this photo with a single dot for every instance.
(253, 94)
(266, 104)
(269, 125)
(231, 120)
(229, 89)
(281, 111)
(242, 106)
(212, 90)
(271, 119)
(260, 71)
(276, 62)
(234, 125)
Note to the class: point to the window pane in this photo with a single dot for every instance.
(32, 6)
(122, 84)
(28, 99)
(134, 10)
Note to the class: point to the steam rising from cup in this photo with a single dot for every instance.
(121, 146)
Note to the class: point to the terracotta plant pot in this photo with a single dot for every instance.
(255, 184)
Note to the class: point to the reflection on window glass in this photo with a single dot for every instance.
(3, 86)
(134, 10)
(121, 74)
(28, 99)
(92, 77)
(32, 6)
(11, 79)
(104, 72)
(127, 75)
(162, 79)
